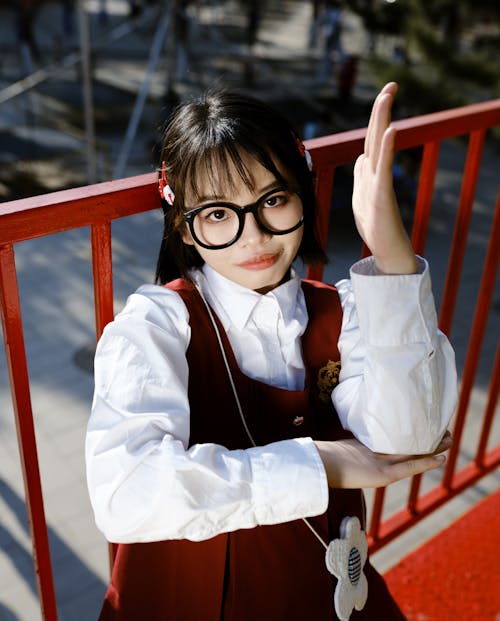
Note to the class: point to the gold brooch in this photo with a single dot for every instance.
(328, 378)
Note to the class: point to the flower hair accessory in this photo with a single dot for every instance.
(345, 558)
(304, 152)
(163, 188)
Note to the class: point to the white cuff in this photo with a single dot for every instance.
(289, 482)
(394, 310)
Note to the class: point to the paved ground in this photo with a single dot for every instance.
(54, 276)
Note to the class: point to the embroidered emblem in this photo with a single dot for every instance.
(298, 420)
(328, 378)
(345, 559)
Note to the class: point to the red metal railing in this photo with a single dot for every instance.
(98, 205)
(429, 131)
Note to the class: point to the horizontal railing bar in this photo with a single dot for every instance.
(96, 206)
(22, 219)
(56, 212)
(403, 520)
(344, 147)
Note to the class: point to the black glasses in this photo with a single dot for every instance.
(220, 224)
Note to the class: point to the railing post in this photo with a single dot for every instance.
(486, 289)
(21, 399)
(376, 518)
(97, 206)
(102, 273)
(461, 229)
(489, 412)
(424, 196)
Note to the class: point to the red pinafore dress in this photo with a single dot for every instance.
(267, 573)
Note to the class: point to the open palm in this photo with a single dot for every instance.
(375, 208)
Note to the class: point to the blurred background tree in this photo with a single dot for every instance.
(443, 53)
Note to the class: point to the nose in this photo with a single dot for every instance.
(252, 232)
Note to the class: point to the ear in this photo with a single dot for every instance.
(186, 236)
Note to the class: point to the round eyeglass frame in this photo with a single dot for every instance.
(240, 212)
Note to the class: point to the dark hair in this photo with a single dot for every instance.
(207, 135)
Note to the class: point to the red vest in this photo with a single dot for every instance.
(267, 573)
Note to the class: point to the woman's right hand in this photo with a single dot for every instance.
(349, 464)
(375, 208)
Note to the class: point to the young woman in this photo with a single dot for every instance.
(239, 410)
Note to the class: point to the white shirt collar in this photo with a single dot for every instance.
(234, 304)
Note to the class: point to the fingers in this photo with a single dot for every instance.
(380, 119)
(379, 125)
(397, 467)
(445, 443)
(422, 464)
(411, 467)
(404, 467)
(369, 139)
(349, 464)
(385, 156)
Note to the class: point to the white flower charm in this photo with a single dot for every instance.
(345, 559)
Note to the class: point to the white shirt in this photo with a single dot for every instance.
(397, 393)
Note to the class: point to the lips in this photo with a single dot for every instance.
(260, 262)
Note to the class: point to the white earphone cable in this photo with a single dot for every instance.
(235, 393)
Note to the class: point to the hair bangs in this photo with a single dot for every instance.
(216, 172)
(208, 145)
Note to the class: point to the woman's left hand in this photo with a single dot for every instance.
(375, 208)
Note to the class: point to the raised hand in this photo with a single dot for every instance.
(350, 464)
(375, 208)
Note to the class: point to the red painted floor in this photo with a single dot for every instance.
(456, 575)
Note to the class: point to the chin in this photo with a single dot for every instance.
(263, 285)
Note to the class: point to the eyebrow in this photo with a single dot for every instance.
(276, 184)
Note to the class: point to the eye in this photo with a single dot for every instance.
(276, 200)
(214, 215)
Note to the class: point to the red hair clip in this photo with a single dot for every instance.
(163, 188)
(300, 146)
(304, 152)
